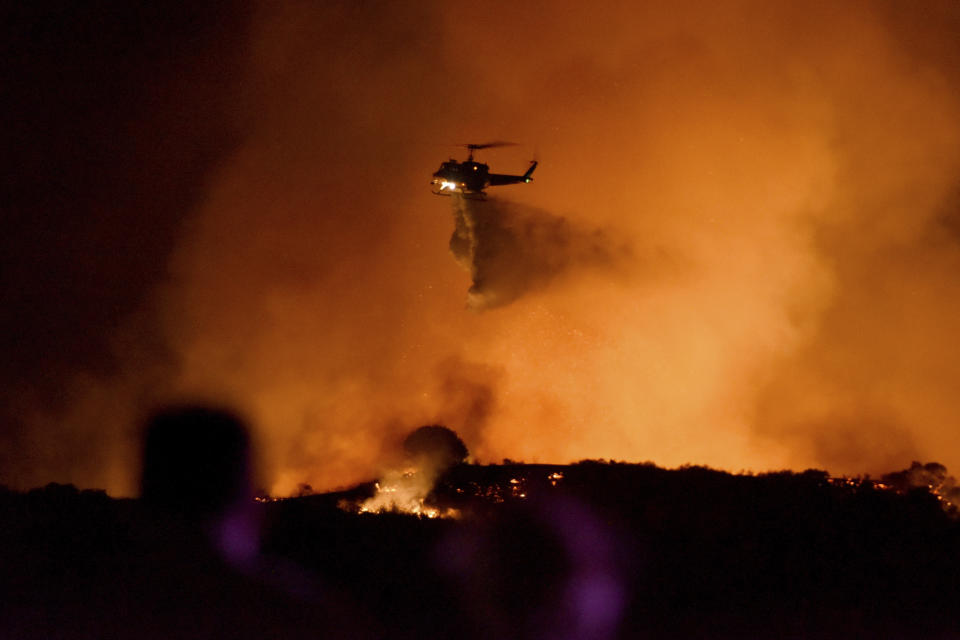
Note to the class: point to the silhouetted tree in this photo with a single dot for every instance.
(438, 445)
(931, 475)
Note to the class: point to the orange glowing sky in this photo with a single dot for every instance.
(781, 184)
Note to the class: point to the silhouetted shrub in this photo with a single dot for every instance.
(440, 446)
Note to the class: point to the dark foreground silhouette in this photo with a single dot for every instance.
(590, 550)
(185, 561)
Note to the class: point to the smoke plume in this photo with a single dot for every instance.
(511, 250)
(774, 282)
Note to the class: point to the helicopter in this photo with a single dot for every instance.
(469, 178)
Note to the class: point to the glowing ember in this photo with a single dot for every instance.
(943, 490)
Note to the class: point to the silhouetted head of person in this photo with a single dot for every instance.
(196, 461)
(544, 568)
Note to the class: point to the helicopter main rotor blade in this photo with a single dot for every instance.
(487, 145)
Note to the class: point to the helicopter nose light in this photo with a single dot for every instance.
(448, 185)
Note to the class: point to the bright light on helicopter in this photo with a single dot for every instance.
(448, 185)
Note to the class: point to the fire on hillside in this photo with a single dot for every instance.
(414, 492)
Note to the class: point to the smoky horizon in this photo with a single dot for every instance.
(740, 248)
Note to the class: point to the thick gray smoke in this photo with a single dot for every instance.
(511, 250)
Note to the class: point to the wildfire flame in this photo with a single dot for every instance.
(405, 491)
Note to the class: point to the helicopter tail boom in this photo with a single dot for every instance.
(497, 179)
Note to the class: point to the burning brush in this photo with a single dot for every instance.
(430, 451)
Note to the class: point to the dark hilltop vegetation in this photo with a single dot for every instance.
(594, 549)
